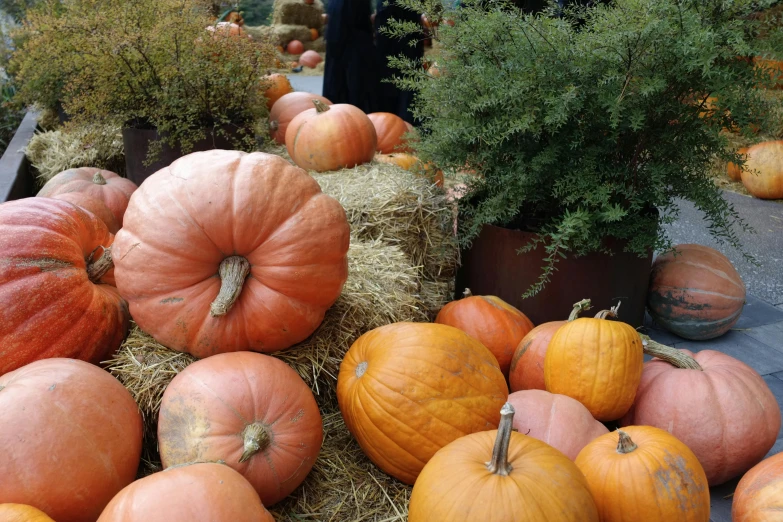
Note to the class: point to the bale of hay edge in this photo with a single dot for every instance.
(296, 12)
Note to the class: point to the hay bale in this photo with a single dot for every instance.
(284, 33)
(318, 45)
(261, 32)
(296, 12)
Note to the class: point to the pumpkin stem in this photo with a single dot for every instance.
(320, 106)
(257, 438)
(233, 271)
(612, 312)
(467, 293)
(499, 465)
(625, 444)
(273, 126)
(584, 304)
(98, 268)
(671, 355)
(98, 179)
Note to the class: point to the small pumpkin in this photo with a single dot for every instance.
(57, 297)
(201, 492)
(695, 292)
(66, 427)
(390, 130)
(310, 59)
(645, 473)
(560, 421)
(93, 205)
(526, 371)
(498, 325)
(278, 86)
(413, 164)
(223, 29)
(295, 47)
(733, 170)
(250, 265)
(111, 189)
(286, 108)
(407, 389)
(759, 495)
(330, 137)
(500, 475)
(22, 513)
(762, 174)
(597, 362)
(313, 34)
(718, 406)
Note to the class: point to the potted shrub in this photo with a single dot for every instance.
(585, 125)
(161, 69)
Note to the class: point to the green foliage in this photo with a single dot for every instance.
(10, 115)
(583, 125)
(256, 12)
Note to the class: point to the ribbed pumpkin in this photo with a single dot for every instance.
(733, 170)
(560, 421)
(500, 475)
(498, 325)
(249, 410)
(330, 137)
(310, 59)
(93, 205)
(413, 164)
(390, 129)
(111, 189)
(763, 171)
(286, 108)
(277, 86)
(759, 495)
(22, 513)
(70, 438)
(597, 362)
(203, 492)
(526, 371)
(644, 473)
(225, 251)
(56, 293)
(718, 406)
(407, 389)
(696, 294)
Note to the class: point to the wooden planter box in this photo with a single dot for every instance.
(16, 180)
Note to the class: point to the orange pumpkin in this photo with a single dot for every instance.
(310, 59)
(763, 171)
(733, 170)
(70, 438)
(390, 130)
(313, 34)
(286, 108)
(223, 29)
(295, 47)
(718, 406)
(526, 371)
(224, 251)
(412, 163)
(695, 292)
(56, 292)
(203, 492)
(330, 137)
(278, 86)
(597, 362)
(498, 325)
(759, 495)
(252, 412)
(106, 186)
(280, 49)
(774, 68)
(93, 205)
(22, 513)
(501, 475)
(407, 389)
(645, 473)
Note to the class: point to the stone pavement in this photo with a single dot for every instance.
(311, 84)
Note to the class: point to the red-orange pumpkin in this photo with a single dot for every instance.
(249, 410)
(696, 294)
(286, 108)
(56, 293)
(498, 325)
(111, 189)
(295, 47)
(90, 204)
(277, 86)
(390, 129)
(733, 170)
(224, 251)
(330, 137)
(759, 495)
(204, 492)
(70, 438)
(762, 174)
(313, 34)
(718, 406)
(310, 59)
(22, 513)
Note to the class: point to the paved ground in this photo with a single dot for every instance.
(312, 84)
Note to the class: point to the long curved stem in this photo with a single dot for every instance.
(612, 312)
(233, 270)
(499, 465)
(671, 355)
(98, 268)
(582, 305)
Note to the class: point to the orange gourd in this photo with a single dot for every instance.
(330, 137)
(412, 163)
(597, 362)
(407, 389)
(645, 473)
(310, 59)
(733, 170)
(498, 325)
(22, 513)
(277, 86)
(295, 47)
(501, 475)
(762, 174)
(759, 495)
(313, 34)
(224, 251)
(286, 108)
(390, 130)
(93, 205)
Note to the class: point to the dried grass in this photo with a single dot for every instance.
(296, 12)
(284, 33)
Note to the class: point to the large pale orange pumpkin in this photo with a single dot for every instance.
(249, 410)
(763, 171)
(560, 421)
(22, 513)
(277, 86)
(390, 130)
(733, 170)
(203, 492)
(498, 325)
(527, 365)
(718, 406)
(759, 495)
(111, 189)
(70, 438)
(695, 292)
(330, 137)
(500, 475)
(645, 473)
(407, 389)
(96, 206)
(224, 251)
(56, 293)
(310, 59)
(286, 108)
(597, 362)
